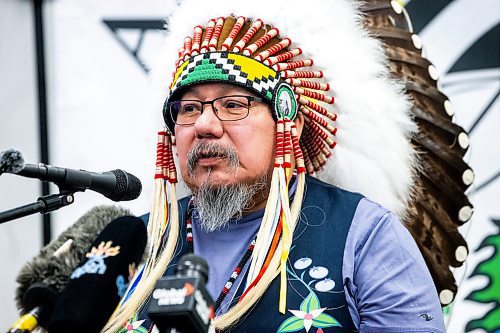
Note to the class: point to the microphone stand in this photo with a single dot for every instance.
(44, 204)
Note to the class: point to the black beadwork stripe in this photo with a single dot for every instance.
(237, 269)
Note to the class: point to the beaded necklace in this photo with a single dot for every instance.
(236, 272)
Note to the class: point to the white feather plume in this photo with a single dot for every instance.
(374, 155)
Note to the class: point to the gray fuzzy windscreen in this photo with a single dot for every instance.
(55, 271)
(11, 161)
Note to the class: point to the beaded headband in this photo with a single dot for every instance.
(252, 55)
(226, 67)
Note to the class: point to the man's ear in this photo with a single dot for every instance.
(299, 123)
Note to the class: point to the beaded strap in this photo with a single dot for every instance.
(236, 272)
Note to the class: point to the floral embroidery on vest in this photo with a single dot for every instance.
(310, 313)
(133, 326)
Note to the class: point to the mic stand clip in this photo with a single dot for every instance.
(43, 205)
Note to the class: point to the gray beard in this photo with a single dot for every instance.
(216, 205)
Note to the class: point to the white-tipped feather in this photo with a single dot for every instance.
(373, 155)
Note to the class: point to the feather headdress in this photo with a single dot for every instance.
(343, 84)
(374, 119)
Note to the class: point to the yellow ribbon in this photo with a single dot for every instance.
(287, 242)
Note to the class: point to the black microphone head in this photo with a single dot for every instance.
(182, 301)
(192, 265)
(54, 271)
(11, 161)
(128, 186)
(98, 283)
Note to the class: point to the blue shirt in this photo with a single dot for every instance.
(383, 271)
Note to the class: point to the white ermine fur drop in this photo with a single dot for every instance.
(374, 155)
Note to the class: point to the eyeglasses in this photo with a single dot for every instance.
(226, 108)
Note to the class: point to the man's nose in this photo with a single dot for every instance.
(207, 124)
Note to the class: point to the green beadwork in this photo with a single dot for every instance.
(205, 71)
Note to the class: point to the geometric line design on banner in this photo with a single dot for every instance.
(483, 53)
(475, 73)
(143, 26)
(423, 11)
(486, 183)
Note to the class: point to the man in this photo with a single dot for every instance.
(223, 188)
(248, 125)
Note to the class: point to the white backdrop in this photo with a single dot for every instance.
(19, 240)
(103, 114)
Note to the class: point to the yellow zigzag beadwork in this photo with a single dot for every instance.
(227, 67)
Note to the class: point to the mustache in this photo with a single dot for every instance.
(211, 149)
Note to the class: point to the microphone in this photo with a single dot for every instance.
(43, 277)
(116, 185)
(182, 302)
(99, 282)
(11, 160)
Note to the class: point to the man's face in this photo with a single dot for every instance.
(251, 138)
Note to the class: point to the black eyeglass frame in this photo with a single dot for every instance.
(250, 99)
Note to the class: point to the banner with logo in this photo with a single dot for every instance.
(462, 39)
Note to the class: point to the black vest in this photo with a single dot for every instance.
(315, 295)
